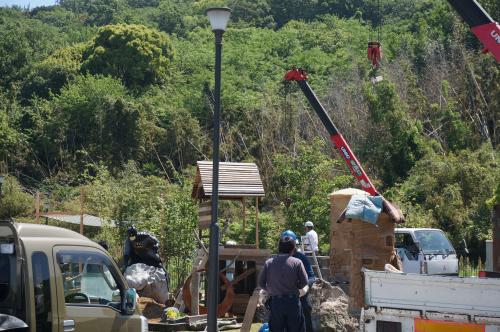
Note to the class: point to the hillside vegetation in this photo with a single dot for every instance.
(116, 97)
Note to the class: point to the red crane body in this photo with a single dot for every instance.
(336, 137)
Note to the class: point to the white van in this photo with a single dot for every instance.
(425, 251)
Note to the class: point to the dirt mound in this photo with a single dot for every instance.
(330, 309)
(150, 308)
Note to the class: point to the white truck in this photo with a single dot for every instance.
(413, 302)
(425, 251)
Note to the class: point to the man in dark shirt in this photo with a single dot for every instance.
(311, 277)
(284, 278)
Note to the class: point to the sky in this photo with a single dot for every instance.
(25, 3)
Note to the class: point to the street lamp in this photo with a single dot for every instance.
(218, 20)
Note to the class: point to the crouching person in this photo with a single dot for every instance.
(285, 280)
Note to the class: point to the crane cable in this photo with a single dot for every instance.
(374, 46)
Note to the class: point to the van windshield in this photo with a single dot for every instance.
(434, 242)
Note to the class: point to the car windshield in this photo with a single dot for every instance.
(434, 242)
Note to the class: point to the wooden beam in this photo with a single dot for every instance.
(240, 277)
(244, 220)
(37, 207)
(81, 210)
(250, 312)
(257, 222)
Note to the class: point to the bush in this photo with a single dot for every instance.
(14, 202)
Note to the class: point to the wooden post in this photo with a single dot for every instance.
(81, 210)
(195, 294)
(257, 222)
(244, 220)
(250, 312)
(495, 220)
(37, 207)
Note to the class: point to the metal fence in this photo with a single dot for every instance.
(178, 269)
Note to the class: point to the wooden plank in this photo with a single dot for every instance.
(235, 190)
(257, 222)
(204, 209)
(250, 312)
(204, 225)
(205, 218)
(37, 207)
(244, 252)
(244, 220)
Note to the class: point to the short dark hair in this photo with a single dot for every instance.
(286, 245)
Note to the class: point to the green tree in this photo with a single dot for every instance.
(302, 182)
(151, 204)
(450, 192)
(395, 142)
(134, 53)
(99, 119)
(22, 43)
(92, 120)
(51, 74)
(14, 201)
(97, 12)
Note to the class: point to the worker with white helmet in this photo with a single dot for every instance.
(311, 243)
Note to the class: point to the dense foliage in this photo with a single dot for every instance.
(116, 96)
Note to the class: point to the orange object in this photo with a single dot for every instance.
(374, 52)
(426, 325)
(222, 308)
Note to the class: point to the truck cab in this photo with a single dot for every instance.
(425, 251)
(56, 280)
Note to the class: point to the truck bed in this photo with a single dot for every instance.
(470, 296)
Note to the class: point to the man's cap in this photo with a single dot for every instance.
(290, 234)
(309, 224)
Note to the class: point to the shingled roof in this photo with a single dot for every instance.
(236, 180)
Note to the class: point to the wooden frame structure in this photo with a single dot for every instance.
(237, 181)
(240, 182)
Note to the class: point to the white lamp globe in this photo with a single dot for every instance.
(218, 18)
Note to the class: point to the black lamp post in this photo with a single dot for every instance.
(218, 20)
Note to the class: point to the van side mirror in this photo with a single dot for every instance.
(129, 301)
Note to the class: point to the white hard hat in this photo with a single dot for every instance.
(309, 224)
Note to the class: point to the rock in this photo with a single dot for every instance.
(149, 281)
(150, 309)
(330, 309)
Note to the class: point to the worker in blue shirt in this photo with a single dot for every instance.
(306, 307)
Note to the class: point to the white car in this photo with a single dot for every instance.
(425, 251)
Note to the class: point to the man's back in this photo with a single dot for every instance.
(305, 261)
(283, 275)
(312, 238)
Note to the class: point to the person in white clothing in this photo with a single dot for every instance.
(312, 237)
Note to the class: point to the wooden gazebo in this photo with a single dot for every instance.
(237, 181)
(242, 262)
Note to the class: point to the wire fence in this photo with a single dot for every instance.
(468, 268)
(178, 269)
